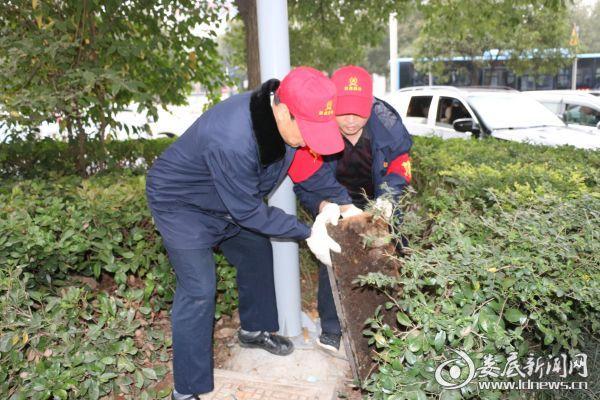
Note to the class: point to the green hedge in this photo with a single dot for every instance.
(505, 251)
(59, 338)
(504, 256)
(47, 157)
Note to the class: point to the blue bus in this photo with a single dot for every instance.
(461, 74)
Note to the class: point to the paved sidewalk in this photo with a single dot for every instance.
(307, 374)
(238, 386)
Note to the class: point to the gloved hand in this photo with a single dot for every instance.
(351, 211)
(385, 207)
(320, 243)
(330, 213)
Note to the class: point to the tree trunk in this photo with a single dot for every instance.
(81, 136)
(247, 10)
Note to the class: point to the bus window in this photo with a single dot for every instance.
(584, 74)
(419, 106)
(564, 79)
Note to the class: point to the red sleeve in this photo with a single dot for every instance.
(304, 165)
(401, 166)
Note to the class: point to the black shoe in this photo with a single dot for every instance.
(184, 397)
(270, 342)
(330, 342)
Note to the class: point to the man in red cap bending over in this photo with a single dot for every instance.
(207, 190)
(374, 165)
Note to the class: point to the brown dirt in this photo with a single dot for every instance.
(364, 249)
(225, 337)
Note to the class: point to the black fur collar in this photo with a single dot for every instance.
(271, 147)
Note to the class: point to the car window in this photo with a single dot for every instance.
(582, 115)
(449, 110)
(419, 106)
(553, 106)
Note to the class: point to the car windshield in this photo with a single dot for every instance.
(511, 110)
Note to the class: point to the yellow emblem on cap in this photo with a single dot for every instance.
(353, 85)
(328, 110)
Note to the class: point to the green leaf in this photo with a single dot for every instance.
(410, 357)
(93, 391)
(440, 340)
(403, 319)
(514, 315)
(450, 395)
(139, 379)
(108, 360)
(379, 339)
(468, 342)
(145, 310)
(107, 376)
(123, 363)
(149, 373)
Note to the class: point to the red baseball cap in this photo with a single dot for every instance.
(355, 91)
(311, 99)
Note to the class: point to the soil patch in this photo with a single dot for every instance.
(366, 247)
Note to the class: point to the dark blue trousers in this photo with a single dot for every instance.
(193, 309)
(326, 305)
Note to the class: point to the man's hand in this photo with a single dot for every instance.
(329, 213)
(385, 207)
(320, 243)
(350, 210)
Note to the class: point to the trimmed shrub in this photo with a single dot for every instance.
(504, 255)
(48, 158)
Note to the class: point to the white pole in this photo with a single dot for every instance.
(274, 49)
(393, 53)
(574, 74)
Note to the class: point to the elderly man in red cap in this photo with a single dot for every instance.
(374, 165)
(207, 190)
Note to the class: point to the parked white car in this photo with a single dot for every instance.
(171, 122)
(578, 109)
(507, 114)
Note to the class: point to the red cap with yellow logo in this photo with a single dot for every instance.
(311, 99)
(355, 91)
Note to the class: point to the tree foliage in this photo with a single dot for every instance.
(326, 34)
(81, 62)
(410, 22)
(586, 19)
(329, 34)
(530, 36)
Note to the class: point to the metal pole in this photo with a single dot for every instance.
(574, 74)
(393, 53)
(274, 50)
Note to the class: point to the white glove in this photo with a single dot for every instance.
(385, 207)
(329, 214)
(351, 211)
(320, 243)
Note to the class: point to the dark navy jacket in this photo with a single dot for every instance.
(213, 180)
(390, 146)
